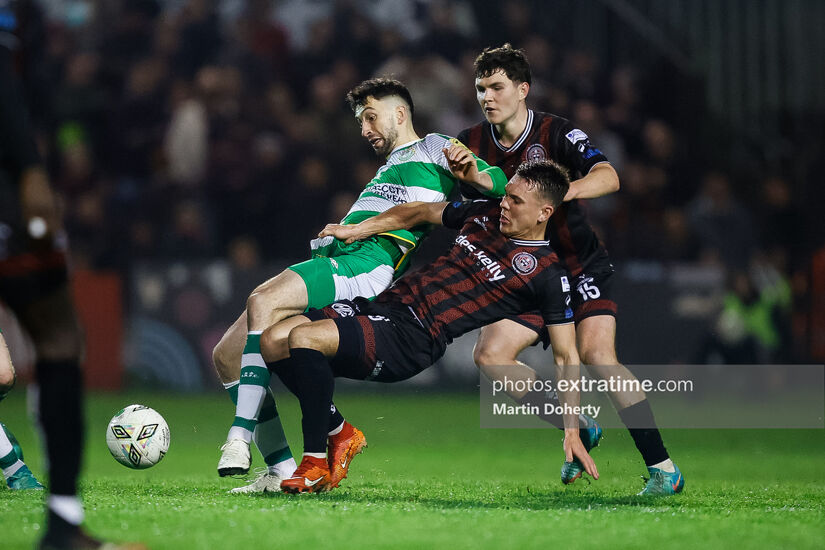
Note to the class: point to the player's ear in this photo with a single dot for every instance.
(401, 114)
(523, 90)
(545, 213)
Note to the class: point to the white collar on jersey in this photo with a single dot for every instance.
(522, 242)
(522, 138)
(404, 145)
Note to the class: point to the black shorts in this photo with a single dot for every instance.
(379, 342)
(591, 294)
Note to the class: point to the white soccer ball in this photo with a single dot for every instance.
(138, 437)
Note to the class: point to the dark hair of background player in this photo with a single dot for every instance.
(379, 88)
(550, 180)
(505, 58)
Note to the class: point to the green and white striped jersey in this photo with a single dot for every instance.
(416, 171)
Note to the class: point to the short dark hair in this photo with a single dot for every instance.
(505, 58)
(550, 180)
(379, 88)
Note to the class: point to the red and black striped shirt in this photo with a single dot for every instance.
(547, 137)
(485, 277)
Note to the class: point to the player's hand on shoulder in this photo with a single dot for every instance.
(346, 233)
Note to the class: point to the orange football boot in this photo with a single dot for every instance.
(312, 476)
(341, 449)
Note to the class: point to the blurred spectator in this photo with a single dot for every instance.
(721, 222)
(186, 142)
(782, 223)
(750, 328)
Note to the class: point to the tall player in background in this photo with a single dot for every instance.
(416, 169)
(34, 281)
(512, 133)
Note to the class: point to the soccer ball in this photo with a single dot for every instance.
(138, 437)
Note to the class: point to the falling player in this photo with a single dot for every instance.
(498, 266)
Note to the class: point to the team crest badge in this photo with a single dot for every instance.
(406, 154)
(343, 310)
(525, 263)
(535, 152)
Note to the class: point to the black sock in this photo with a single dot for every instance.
(308, 375)
(335, 418)
(287, 376)
(538, 398)
(642, 427)
(58, 530)
(61, 416)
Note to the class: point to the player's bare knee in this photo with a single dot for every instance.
(487, 355)
(599, 356)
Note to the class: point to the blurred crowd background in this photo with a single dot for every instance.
(214, 133)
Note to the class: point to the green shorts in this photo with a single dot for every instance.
(339, 271)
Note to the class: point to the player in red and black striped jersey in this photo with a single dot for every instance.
(547, 136)
(498, 266)
(510, 134)
(486, 276)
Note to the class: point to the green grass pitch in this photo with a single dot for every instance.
(431, 478)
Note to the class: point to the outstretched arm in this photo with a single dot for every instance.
(563, 340)
(601, 180)
(402, 216)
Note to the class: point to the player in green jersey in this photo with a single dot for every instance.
(417, 169)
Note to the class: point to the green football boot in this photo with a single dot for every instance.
(590, 435)
(663, 483)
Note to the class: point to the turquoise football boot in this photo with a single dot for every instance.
(23, 479)
(663, 483)
(590, 435)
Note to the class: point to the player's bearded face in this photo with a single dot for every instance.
(386, 142)
(378, 127)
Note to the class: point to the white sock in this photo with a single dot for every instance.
(67, 507)
(236, 432)
(316, 455)
(284, 469)
(665, 465)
